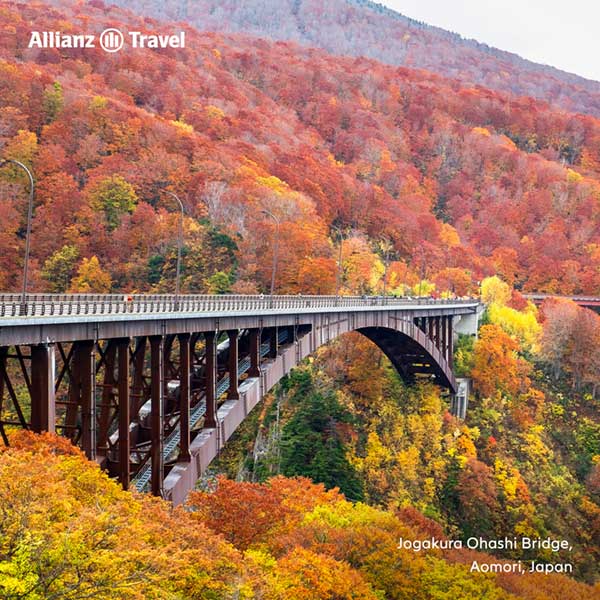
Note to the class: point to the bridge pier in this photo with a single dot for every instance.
(436, 331)
(450, 355)
(124, 412)
(107, 401)
(273, 342)
(210, 417)
(43, 376)
(254, 353)
(233, 360)
(184, 396)
(84, 381)
(156, 415)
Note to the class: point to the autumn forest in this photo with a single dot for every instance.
(404, 172)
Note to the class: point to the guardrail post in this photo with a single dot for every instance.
(156, 418)
(124, 412)
(210, 417)
(233, 392)
(184, 396)
(43, 375)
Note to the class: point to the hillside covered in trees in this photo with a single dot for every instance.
(430, 182)
(364, 28)
(68, 532)
(525, 462)
(423, 184)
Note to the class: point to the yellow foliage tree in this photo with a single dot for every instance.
(494, 290)
(91, 278)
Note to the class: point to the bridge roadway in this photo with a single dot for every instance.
(152, 386)
(591, 302)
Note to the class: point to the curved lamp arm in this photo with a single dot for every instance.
(28, 231)
(179, 241)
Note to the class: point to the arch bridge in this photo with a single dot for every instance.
(591, 302)
(151, 387)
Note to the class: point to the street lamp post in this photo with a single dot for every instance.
(179, 246)
(275, 248)
(338, 279)
(385, 246)
(23, 308)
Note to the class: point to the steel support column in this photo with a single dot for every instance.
(273, 342)
(210, 417)
(84, 376)
(254, 353)
(107, 397)
(43, 375)
(124, 412)
(444, 345)
(450, 343)
(156, 418)
(233, 392)
(184, 396)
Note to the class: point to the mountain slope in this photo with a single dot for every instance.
(457, 183)
(363, 28)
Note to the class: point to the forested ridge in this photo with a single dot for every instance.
(437, 181)
(427, 185)
(364, 28)
(394, 465)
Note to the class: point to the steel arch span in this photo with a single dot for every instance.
(407, 344)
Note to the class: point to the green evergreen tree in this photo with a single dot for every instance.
(59, 269)
(312, 445)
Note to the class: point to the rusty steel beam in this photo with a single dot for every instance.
(5, 381)
(138, 362)
(233, 392)
(124, 412)
(444, 338)
(107, 404)
(84, 363)
(254, 353)
(43, 400)
(73, 401)
(210, 417)
(450, 358)
(273, 342)
(185, 363)
(156, 417)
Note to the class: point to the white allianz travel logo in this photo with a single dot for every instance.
(110, 40)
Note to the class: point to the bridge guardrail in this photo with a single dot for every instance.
(68, 305)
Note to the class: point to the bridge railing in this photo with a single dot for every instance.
(68, 305)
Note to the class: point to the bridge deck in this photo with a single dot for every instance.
(84, 307)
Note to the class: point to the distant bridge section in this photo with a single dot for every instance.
(591, 302)
(152, 386)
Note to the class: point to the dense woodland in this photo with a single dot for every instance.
(364, 28)
(392, 464)
(424, 178)
(525, 462)
(426, 185)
